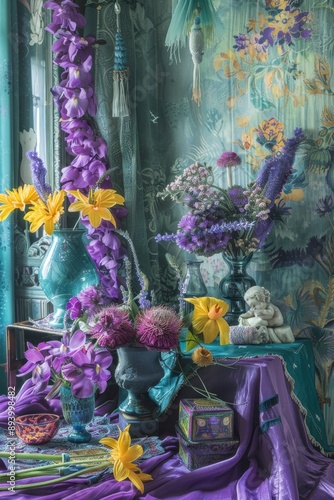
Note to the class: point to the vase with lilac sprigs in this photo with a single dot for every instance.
(235, 220)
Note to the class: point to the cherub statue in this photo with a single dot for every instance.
(265, 316)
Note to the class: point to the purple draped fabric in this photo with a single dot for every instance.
(275, 459)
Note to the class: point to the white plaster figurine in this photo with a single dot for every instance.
(265, 316)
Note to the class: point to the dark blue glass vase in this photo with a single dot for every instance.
(234, 286)
(78, 412)
(66, 270)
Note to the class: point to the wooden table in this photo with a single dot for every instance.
(17, 335)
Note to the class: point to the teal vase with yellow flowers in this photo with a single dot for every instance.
(65, 271)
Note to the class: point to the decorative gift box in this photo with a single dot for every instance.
(201, 453)
(205, 420)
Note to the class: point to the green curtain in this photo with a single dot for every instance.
(8, 159)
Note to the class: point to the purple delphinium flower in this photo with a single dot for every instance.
(76, 101)
(276, 170)
(158, 328)
(228, 159)
(38, 173)
(113, 328)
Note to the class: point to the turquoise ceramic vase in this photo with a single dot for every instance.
(77, 412)
(66, 270)
(138, 370)
(234, 286)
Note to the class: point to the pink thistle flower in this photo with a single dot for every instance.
(113, 328)
(228, 159)
(158, 328)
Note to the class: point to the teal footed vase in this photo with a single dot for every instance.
(138, 370)
(66, 270)
(78, 412)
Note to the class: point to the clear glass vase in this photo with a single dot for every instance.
(193, 285)
(78, 412)
(234, 286)
(66, 270)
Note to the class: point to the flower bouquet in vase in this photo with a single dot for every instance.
(234, 220)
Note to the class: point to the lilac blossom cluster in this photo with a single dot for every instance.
(72, 362)
(76, 101)
(237, 220)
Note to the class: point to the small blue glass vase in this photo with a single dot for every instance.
(78, 412)
(66, 270)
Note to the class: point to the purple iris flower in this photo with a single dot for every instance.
(70, 345)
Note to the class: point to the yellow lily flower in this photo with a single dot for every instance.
(48, 214)
(96, 205)
(16, 198)
(208, 318)
(122, 455)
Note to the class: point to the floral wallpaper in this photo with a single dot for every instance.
(268, 71)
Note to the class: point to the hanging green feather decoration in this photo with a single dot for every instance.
(183, 16)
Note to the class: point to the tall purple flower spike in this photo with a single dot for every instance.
(76, 101)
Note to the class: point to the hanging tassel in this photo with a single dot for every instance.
(120, 103)
(196, 47)
(182, 18)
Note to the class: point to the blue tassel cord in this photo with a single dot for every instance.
(120, 104)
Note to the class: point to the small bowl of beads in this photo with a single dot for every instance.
(36, 428)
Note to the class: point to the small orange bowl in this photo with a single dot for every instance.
(36, 428)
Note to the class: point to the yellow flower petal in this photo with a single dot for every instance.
(133, 453)
(120, 471)
(109, 441)
(136, 481)
(224, 331)
(210, 331)
(97, 206)
(207, 316)
(48, 214)
(17, 199)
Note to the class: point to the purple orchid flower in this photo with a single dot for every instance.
(38, 365)
(70, 345)
(88, 369)
(74, 306)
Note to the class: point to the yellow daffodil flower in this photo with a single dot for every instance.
(208, 318)
(17, 198)
(47, 214)
(122, 455)
(96, 205)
